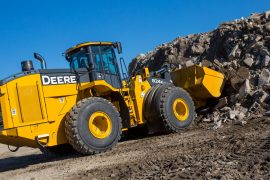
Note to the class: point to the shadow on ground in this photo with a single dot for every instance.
(12, 163)
(18, 162)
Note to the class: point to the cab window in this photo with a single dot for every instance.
(99, 58)
(104, 58)
(96, 58)
(80, 59)
(108, 58)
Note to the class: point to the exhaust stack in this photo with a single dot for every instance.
(41, 60)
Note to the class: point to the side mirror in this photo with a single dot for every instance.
(119, 47)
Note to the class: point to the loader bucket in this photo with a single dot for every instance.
(202, 83)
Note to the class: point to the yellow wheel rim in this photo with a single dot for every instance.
(180, 109)
(100, 125)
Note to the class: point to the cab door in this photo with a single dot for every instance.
(105, 65)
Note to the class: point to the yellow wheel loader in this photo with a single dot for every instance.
(89, 105)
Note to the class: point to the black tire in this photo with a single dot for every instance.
(151, 108)
(148, 101)
(77, 128)
(168, 97)
(163, 117)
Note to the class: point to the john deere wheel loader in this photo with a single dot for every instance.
(89, 105)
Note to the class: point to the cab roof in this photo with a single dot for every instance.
(87, 44)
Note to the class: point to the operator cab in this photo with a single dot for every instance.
(99, 59)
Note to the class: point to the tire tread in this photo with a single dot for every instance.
(71, 128)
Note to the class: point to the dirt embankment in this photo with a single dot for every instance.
(230, 152)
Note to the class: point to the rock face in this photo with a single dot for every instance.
(239, 49)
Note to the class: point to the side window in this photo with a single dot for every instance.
(75, 63)
(83, 62)
(80, 60)
(96, 58)
(108, 59)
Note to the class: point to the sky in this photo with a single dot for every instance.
(52, 26)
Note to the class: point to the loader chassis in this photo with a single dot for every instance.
(32, 107)
(88, 106)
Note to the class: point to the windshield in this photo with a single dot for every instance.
(102, 57)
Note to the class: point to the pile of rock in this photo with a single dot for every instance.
(240, 49)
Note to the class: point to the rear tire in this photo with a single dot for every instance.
(93, 126)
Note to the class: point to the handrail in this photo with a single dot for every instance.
(14, 76)
(125, 75)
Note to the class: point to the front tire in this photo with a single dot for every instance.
(168, 109)
(93, 126)
(176, 109)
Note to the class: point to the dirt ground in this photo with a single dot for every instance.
(231, 152)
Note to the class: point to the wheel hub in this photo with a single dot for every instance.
(100, 125)
(180, 109)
